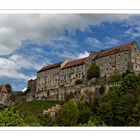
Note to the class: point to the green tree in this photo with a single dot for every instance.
(93, 72)
(130, 83)
(115, 76)
(9, 87)
(68, 114)
(106, 109)
(125, 110)
(9, 117)
(46, 120)
(89, 123)
(85, 114)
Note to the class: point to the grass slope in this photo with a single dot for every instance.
(30, 110)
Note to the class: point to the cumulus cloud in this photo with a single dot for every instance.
(15, 28)
(18, 30)
(10, 69)
(82, 55)
(95, 43)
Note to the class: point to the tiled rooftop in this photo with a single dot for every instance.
(111, 51)
(75, 63)
(51, 66)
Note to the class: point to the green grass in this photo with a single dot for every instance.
(30, 110)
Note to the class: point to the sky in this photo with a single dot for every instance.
(30, 41)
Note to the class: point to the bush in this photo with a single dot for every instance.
(11, 118)
(115, 77)
(89, 123)
(93, 72)
(68, 114)
(85, 114)
(46, 120)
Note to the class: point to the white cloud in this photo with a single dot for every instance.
(94, 42)
(132, 27)
(24, 89)
(111, 42)
(98, 44)
(10, 69)
(82, 55)
(16, 28)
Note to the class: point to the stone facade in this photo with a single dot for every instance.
(31, 90)
(122, 58)
(3, 94)
(54, 81)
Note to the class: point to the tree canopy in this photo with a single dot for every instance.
(9, 117)
(68, 114)
(93, 72)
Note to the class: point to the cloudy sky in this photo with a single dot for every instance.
(30, 41)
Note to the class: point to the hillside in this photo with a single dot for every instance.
(30, 110)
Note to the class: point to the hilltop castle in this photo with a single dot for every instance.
(53, 81)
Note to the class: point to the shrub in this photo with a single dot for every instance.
(115, 76)
(9, 117)
(46, 120)
(68, 114)
(93, 72)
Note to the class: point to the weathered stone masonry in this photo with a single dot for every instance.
(54, 81)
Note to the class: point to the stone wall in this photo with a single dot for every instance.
(54, 83)
(4, 98)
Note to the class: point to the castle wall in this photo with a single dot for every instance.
(54, 83)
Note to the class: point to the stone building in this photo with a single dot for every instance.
(53, 79)
(56, 80)
(3, 94)
(31, 89)
(122, 58)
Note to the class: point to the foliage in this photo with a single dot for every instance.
(115, 77)
(121, 105)
(130, 83)
(79, 81)
(9, 87)
(89, 123)
(126, 73)
(93, 72)
(85, 113)
(46, 120)
(11, 118)
(68, 114)
(31, 110)
(18, 98)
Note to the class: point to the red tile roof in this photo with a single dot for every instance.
(103, 53)
(115, 50)
(3, 89)
(75, 63)
(50, 67)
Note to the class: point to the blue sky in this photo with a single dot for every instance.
(30, 41)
